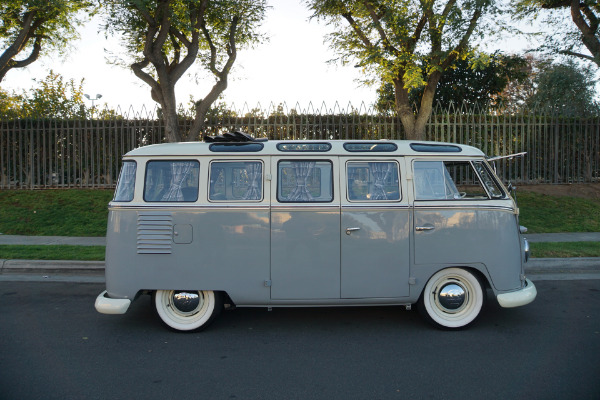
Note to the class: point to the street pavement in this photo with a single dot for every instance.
(93, 271)
(55, 346)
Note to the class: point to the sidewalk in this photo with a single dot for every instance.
(52, 240)
(560, 237)
(93, 271)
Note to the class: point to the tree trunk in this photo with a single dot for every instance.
(169, 110)
(414, 124)
(202, 108)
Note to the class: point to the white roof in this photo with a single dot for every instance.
(404, 147)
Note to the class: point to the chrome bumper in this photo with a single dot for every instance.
(518, 298)
(106, 305)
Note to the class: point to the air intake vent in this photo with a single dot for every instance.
(154, 232)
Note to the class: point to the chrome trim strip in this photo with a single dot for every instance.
(354, 207)
(466, 206)
(188, 208)
(279, 207)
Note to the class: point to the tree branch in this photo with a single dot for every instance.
(138, 70)
(462, 45)
(593, 20)
(376, 20)
(412, 43)
(588, 34)
(578, 55)
(35, 53)
(213, 50)
(28, 27)
(361, 35)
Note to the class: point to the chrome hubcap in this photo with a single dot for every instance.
(451, 297)
(185, 302)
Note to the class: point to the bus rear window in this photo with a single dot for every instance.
(126, 183)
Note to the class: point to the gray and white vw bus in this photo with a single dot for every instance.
(253, 223)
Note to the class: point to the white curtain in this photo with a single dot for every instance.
(179, 172)
(303, 169)
(254, 171)
(380, 172)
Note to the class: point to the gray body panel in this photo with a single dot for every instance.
(375, 258)
(227, 253)
(305, 256)
(470, 234)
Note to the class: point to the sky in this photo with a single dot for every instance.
(291, 67)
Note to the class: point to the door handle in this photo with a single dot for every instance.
(424, 228)
(350, 230)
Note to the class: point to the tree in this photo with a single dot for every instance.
(564, 89)
(166, 37)
(32, 27)
(568, 38)
(55, 98)
(11, 105)
(52, 97)
(518, 91)
(394, 40)
(466, 84)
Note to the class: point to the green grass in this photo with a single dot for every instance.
(54, 212)
(547, 214)
(52, 252)
(77, 212)
(565, 249)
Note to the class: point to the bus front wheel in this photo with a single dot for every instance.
(452, 298)
(188, 310)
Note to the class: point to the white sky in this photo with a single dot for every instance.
(291, 67)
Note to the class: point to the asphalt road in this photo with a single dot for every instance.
(54, 345)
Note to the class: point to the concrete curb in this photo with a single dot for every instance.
(51, 267)
(534, 266)
(562, 265)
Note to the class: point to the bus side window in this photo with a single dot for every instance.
(451, 180)
(373, 181)
(171, 181)
(236, 181)
(305, 181)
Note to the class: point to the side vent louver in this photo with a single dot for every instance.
(154, 232)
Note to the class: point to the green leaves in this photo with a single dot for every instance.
(52, 97)
(33, 27)
(393, 40)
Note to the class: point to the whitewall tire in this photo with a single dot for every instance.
(187, 310)
(452, 298)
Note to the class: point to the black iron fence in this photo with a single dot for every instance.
(48, 153)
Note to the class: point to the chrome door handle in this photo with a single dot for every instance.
(350, 230)
(424, 228)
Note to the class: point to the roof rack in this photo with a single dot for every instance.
(233, 137)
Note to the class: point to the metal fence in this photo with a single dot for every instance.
(47, 153)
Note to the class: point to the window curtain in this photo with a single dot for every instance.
(302, 170)
(126, 182)
(179, 172)
(380, 172)
(254, 171)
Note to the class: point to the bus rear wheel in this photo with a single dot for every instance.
(188, 310)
